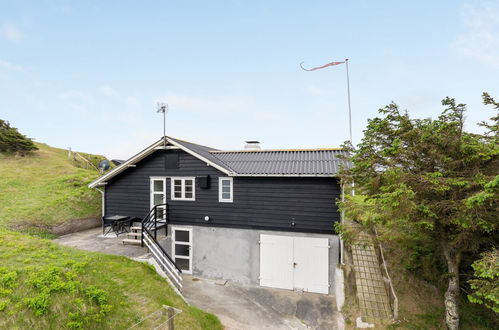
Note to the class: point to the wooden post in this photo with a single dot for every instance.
(171, 313)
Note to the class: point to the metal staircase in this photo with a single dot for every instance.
(155, 220)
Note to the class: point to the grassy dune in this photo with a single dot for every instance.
(47, 286)
(45, 189)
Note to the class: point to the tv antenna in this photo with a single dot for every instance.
(163, 108)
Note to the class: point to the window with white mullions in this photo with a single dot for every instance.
(158, 195)
(182, 248)
(225, 190)
(183, 189)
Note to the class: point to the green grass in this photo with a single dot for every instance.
(45, 189)
(44, 285)
(47, 286)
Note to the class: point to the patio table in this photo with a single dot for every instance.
(120, 223)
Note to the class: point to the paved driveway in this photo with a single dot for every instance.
(238, 306)
(254, 307)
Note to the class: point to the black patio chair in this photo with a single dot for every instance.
(117, 223)
(107, 223)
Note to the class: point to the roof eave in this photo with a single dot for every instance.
(139, 156)
(146, 152)
(288, 175)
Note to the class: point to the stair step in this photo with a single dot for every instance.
(131, 241)
(136, 228)
(134, 234)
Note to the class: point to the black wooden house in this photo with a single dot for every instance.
(251, 215)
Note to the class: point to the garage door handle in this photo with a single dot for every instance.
(294, 264)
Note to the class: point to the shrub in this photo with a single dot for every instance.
(485, 284)
(7, 279)
(4, 304)
(13, 141)
(39, 303)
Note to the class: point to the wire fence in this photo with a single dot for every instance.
(163, 318)
(76, 157)
(393, 297)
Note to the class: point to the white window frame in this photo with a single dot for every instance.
(220, 198)
(188, 244)
(182, 191)
(152, 192)
(151, 180)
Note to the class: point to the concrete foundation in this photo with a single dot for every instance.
(234, 254)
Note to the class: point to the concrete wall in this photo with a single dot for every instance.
(234, 254)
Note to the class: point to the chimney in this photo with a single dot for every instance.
(252, 145)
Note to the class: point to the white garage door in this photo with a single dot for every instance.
(288, 262)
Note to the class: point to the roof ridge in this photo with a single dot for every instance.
(278, 150)
(201, 145)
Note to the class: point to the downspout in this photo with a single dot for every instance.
(103, 203)
(342, 219)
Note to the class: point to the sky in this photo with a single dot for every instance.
(88, 74)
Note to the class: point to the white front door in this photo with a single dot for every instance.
(300, 263)
(311, 264)
(158, 196)
(182, 248)
(276, 258)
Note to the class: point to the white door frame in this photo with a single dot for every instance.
(285, 262)
(189, 244)
(152, 192)
(276, 261)
(311, 274)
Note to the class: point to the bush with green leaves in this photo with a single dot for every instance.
(485, 284)
(13, 141)
(50, 280)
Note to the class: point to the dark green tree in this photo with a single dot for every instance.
(426, 179)
(13, 141)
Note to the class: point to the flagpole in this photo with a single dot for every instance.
(349, 107)
(348, 89)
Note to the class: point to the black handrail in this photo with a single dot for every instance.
(147, 219)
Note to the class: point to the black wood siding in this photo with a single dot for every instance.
(271, 203)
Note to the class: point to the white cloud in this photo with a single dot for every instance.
(316, 91)
(75, 95)
(132, 101)
(419, 100)
(9, 66)
(125, 148)
(481, 40)
(11, 32)
(108, 91)
(242, 107)
(203, 105)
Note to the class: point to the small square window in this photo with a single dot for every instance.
(225, 190)
(158, 199)
(158, 185)
(182, 235)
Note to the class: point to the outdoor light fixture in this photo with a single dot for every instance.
(206, 218)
